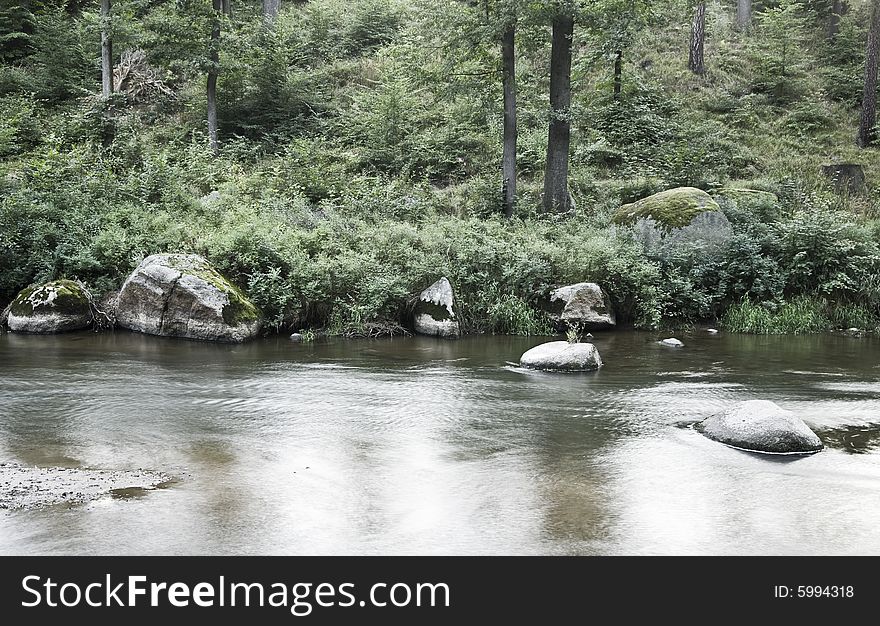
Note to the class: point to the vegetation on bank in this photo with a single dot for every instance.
(360, 158)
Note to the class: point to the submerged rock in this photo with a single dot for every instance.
(761, 426)
(562, 356)
(672, 342)
(673, 208)
(182, 295)
(583, 305)
(434, 315)
(54, 307)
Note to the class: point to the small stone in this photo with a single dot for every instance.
(296, 337)
(562, 356)
(672, 342)
(712, 331)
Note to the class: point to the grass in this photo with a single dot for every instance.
(801, 315)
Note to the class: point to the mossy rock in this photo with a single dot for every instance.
(239, 309)
(434, 314)
(183, 295)
(747, 196)
(673, 208)
(53, 307)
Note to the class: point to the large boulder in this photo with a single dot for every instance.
(562, 356)
(673, 208)
(54, 307)
(434, 315)
(182, 295)
(582, 305)
(761, 426)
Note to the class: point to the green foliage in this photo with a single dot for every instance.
(16, 29)
(804, 314)
(20, 129)
(779, 52)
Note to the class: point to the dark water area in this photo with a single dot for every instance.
(422, 446)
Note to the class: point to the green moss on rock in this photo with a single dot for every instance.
(60, 296)
(673, 208)
(747, 196)
(240, 309)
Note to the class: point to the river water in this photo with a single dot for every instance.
(422, 446)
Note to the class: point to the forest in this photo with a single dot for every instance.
(335, 157)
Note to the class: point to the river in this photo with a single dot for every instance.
(422, 446)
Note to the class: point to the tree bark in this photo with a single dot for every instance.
(106, 51)
(556, 196)
(698, 36)
(508, 161)
(618, 74)
(868, 119)
(271, 8)
(213, 71)
(744, 14)
(838, 8)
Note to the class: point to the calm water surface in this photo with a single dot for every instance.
(417, 446)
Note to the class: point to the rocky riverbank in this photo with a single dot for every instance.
(24, 487)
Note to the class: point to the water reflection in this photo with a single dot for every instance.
(433, 447)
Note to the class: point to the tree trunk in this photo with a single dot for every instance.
(556, 196)
(618, 74)
(698, 37)
(744, 14)
(106, 51)
(270, 9)
(226, 7)
(838, 8)
(508, 161)
(868, 119)
(213, 70)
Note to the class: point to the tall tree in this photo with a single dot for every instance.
(696, 62)
(868, 119)
(213, 71)
(508, 160)
(106, 51)
(556, 197)
(838, 9)
(271, 8)
(744, 14)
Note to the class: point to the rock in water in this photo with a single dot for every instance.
(761, 426)
(54, 307)
(673, 208)
(672, 342)
(434, 314)
(182, 295)
(562, 356)
(583, 305)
